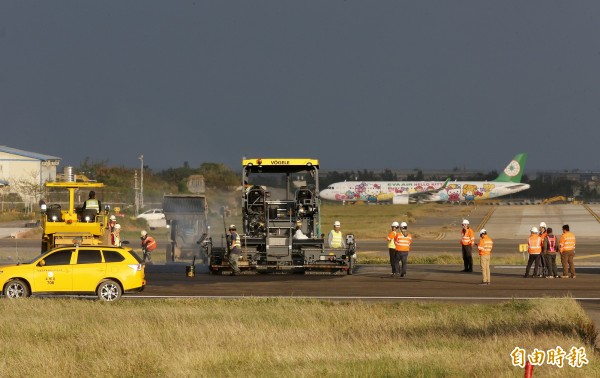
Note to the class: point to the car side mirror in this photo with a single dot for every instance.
(41, 263)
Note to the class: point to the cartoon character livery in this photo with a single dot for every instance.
(404, 192)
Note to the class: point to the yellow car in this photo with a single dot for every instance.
(104, 271)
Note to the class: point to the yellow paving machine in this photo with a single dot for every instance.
(280, 203)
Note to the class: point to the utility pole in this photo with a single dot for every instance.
(142, 182)
(137, 195)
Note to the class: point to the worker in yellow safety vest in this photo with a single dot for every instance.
(485, 253)
(534, 247)
(403, 241)
(394, 255)
(91, 203)
(235, 250)
(566, 247)
(336, 238)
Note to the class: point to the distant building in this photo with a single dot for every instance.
(24, 172)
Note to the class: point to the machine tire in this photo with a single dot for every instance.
(15, 289)
(109, 291)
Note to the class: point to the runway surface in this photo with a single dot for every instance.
(507, 225)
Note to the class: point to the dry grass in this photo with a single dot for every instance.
(284, 337)
(373, 221)
(440, 259)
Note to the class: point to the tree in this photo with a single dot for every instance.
(219, 175)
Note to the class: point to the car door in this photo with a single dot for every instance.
(89, 270)
(55, 274)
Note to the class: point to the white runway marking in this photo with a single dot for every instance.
(346, 297)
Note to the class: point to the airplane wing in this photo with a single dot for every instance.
(416, 197)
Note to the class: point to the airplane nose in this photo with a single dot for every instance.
(325, 194)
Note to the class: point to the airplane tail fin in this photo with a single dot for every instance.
(514, 169)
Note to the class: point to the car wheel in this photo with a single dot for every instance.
(109, 291)
(16, 289)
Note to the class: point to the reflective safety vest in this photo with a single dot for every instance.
(468, 237)
(403, 242)
(116, 239)
(235, 240)
(336, 240)
(92, 204)
(535, 244)
(485, 246)
(551, 243)
(390, 238)
(567, 242)
(149, 244)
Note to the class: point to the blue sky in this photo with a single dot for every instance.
(358, 85)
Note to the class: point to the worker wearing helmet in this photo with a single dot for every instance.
(467, 241)
(543, 266)
(112, 224)
(566, 247)
(403, 240)
(116, 235)
(394, 255)
(534, 247)
(485, 252)
(335, 238)
(235, 249)
(148, 245)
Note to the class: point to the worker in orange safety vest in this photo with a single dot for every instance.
(566, 247)
(394, 255)
(485, 253)
(403, 240)
(467, 241)
(534, 247)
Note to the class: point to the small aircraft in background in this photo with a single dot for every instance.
(405, 192)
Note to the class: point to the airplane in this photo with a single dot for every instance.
(405, 192)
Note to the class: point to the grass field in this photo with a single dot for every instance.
(287, 337)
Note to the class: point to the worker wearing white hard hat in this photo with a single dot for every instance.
(534, 247)
(394, 255)
(403, 241)
(112, 222)
(116, 235)
(485, 253)
(148, 245)
(336, 238)
(235, 249)
(467, 240)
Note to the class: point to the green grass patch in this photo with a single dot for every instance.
(286, 337)
(441, 259)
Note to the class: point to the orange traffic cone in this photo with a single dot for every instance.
(528, 370)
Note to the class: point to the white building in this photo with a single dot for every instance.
(25, 172)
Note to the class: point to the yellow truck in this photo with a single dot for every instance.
(68, 226)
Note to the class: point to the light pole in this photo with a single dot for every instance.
(142, 182)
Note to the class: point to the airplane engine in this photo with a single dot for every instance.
(400, 199)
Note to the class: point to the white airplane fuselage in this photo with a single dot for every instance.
(402, 192)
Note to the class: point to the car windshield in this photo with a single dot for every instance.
(135, 255)
(35, 258)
